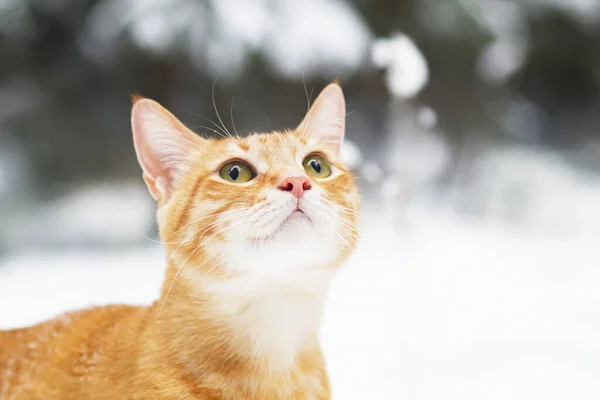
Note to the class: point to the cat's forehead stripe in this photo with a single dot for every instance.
(242, 144)
(270, 151)
(265, 150)
(280, 150)
(235, 150)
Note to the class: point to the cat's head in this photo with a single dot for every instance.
(267, 203)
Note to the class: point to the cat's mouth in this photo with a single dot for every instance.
(296, 219)
(297, 213)
(296, 216)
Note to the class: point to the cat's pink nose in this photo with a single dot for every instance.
(295, 184)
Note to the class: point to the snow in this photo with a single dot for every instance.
(14, 170)
(427, 117)
(97, 215)
(586, 11)
(416, 157)
(243, 28)
(501, 59)
(154, 32)
(16, 20)
(350, 154)
(4, 176)
(534, 190)
(499, 17)
(299, 38)
(313, 36)
(45, 284)
(154, 25)
(371, 172)
(249, 21)
(407, 71)
(453, 310)
(436, 308)
(18, 94)
(506, 53)
(522, 119)
(391, 190)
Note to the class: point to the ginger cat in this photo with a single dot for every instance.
(255, 229)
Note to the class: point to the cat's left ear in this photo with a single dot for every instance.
(326, 119)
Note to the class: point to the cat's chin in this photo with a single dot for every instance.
(296, 219)
(295, 223)
(299, 242)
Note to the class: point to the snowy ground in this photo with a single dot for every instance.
(437, 309)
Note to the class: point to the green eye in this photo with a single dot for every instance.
(317, 166)
(236, 172)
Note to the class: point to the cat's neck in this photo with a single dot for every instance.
(243, 325)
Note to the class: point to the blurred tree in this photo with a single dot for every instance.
(68, 107)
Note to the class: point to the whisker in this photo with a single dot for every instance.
(154, 240)
(343, 239)
(223, 135)
(353, 233)
(308, 97)
(349, 210)
(188, 257)
(350, 231)
(231, 115)
(216, 255)
(255, 242)
(230, 215)
(209, 261)
(206, 227)
(222, 213)
(217, 111)
(342, 217)
(350, 225)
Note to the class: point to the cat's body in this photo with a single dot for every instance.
(253, 244)
(109, 353)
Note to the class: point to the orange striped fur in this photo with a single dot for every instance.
(241, 304)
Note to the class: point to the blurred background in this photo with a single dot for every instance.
(473, 129)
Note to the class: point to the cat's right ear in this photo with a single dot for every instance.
(162, 144)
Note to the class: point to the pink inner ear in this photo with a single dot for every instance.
(326, 119)
(162, 144)
(155, 188)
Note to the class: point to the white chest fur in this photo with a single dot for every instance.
(273, 319)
